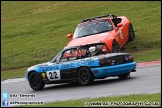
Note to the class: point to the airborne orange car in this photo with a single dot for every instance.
(110, 29)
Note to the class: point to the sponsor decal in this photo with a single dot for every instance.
(103, 34)
(48, 68)
(67, 66)
(116, 38)
(43, 75)
(121, 35)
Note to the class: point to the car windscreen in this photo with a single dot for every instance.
(92, 27)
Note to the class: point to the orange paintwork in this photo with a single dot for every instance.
(119, 33)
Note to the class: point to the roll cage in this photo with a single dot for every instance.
(115, 19)
(82, 51)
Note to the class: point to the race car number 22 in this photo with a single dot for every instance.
(53, 75)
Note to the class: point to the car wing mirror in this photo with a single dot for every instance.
(119, 25)
(70, 36)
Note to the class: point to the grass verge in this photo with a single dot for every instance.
(136, 100)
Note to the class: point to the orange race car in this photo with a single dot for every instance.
(110, 29)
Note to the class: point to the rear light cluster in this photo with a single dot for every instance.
(129, 58)
(105, 62)
(116, 60)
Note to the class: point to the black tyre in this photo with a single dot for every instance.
(85, 76)
(131, 33)
(35, 81)
(124, 75)
(115, 47)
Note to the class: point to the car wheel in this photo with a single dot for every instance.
(85, 76)
(115, 47)
(35, 81)
(131, 33)
(124, 75)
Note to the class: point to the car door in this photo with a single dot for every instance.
(120, 34)
(67, 64)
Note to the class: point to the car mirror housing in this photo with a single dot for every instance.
(70, 36)
(119, 25)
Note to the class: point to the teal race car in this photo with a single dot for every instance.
(82, 64)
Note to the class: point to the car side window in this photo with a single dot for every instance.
(69, 55)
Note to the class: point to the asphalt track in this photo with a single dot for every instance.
(145, 80)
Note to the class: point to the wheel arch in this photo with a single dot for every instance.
(31, 72)
(111, 43)
(130, 25)
(35, 83)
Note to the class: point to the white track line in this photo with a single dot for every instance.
(13, 80)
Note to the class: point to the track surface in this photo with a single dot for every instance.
(144, 81)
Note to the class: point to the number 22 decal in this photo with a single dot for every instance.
(53, 75)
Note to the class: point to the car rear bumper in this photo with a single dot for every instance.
(113, 70)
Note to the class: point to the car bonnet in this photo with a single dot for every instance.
(89, 39)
